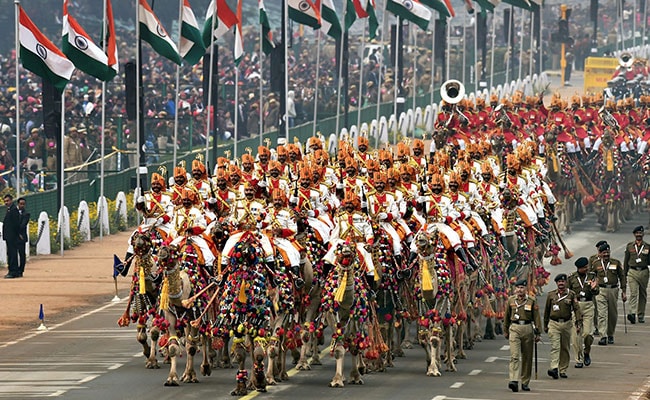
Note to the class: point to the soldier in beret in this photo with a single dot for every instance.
(560, 303)
(610, 275)
(586, 287)
(521, 328)
(635, 264)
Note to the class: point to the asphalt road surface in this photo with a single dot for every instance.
(90, 357)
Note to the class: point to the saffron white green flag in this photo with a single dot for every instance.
(191, 46)
(111, 43)
(305, 12)
(82, 51)
(238, 52)
(329, 22)
(226, 19)
(443, 7)
(410, 10)
(152, 32)
(267, 35)
(39, 55)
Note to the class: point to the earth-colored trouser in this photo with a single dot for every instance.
(582, 341)
(521, 340)
(638, 284)
(559, 333)
(607, 312)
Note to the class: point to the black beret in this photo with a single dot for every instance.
(521, 282)
(560, 277)
(638, 229)
(603, 247)
(581, 262)
(602, 242)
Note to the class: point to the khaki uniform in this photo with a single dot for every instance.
(558, 325)
(580, 285)
(635, 264)
(522, 323)
(610, 276)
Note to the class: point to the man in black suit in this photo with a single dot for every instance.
(22, 235)
(10, 233)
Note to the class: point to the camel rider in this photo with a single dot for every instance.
(275, 180)
(248, 174)
(180, 181)
(225, 195)
(438, 210)
(156, 206)
(306, 201)
(419, 158)
(351, 182)
(351, 225)
(246, 218)
(263, 156)
(200, 181)
(460, 201)
(491, 203)
(518, 187)
(364, 157)
(188, 223)
(327, 198)
(281, 226)
(383, 209)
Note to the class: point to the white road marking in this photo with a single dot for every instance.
(491, 359)
(474, 372)
(457, 385)
(114, 366)
(505, 347)
(439, 398)
(58, 393)
(88, 379)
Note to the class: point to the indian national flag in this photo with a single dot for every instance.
(191, 45)
(442, 6)
(152, 32)
(305, 12)
(111, 44)
(362, 9)
(226, 19)
(330, 23)
(238, 52)
(39, 55)
(410, 10)
(267, 35)
(82, 51)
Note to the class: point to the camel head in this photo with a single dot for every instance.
(425, 242)
(167, 254)
(141, 242)
(345, 255)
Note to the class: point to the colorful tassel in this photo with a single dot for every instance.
(164, 295)
(141, 281)
(426, 278)
(242, 293)
(338, 296)
(610, 160)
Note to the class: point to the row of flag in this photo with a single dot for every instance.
(39, 55)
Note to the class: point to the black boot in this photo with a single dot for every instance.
(470, 266)
(297, 279)
(506, 253)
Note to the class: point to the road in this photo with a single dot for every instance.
(90, 357)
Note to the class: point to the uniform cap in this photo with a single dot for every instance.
(638, 229)
(521, 282)
(603, 247)
(560, 277)
(581, 262)
(602, 242)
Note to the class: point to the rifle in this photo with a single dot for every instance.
(210, 180)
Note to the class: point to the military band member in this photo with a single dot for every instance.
(611, 276)
(521, 328)
(560, 304)
(585, 287)
(635, 264)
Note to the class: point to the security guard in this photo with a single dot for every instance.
(610, 275)
(521, 325)
(586, 287)
(560, 303)
(592, 258)
(635, 264)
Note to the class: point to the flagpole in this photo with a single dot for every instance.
(464, 63)
(17, 47)
(236, 102)
(398, 46)
(448, 41)
(380, 77)
(62, 183)
(285, 43)
(415, 71)
(103, 132)
(509, 43)
(211, 113)
(339, 79)
(261, 72)
(532, 36)
(475, 60)
(433, 60)
(138, 77)
(361, 85)
(494, 24)
(317, 81)
(521, 43)
(178, 80)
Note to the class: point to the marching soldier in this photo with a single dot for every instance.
(610, 275)
(560, 303)
(521, 328)
(635, 265)
(586, 287)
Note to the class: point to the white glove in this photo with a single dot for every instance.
(421, 199)
(262, 184)
(340, 185)
(382, 216)
(311, 213)
(502, 185)
(364, 171)
(160, 221)
(425, 187)
(293, 199)
(364, 204)
(140, 199)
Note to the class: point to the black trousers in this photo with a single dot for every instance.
(12, 257)
(21, 257)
